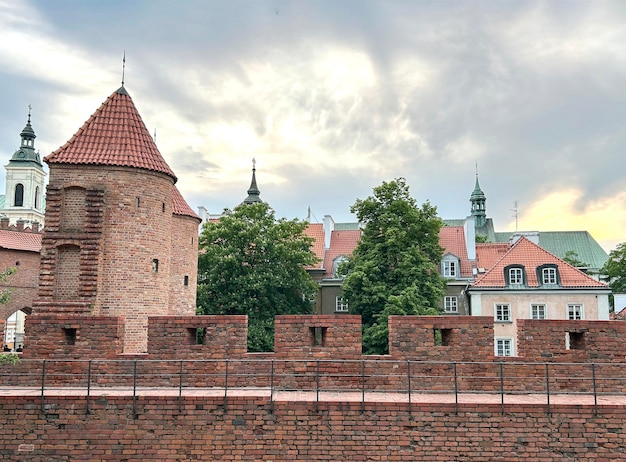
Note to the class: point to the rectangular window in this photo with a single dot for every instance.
(574, 312)
(449, 269)
(516, 276)
(450, 305)
(504, 347)
(538, 311)
(503, 312)
(548, 275)
(341, 304)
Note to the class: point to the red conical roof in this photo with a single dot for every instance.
(180, 206)
(114, 135)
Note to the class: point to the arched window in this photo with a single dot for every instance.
(36, 197)
(19, 195)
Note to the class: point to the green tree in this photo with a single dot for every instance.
(394, 269)
(5, 295)
(573, 259)
(615, 269)
(251, 263)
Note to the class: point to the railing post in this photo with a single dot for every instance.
(88, 410)
(362, 386)
(226, 381)
(408, 375)
(317, 385)
(135, 389)
(548, 388)
(43, 382)
(180, 386)
(595, 389)
(456, 389)
(502, 387)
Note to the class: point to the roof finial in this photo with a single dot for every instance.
(253, 164)
(29, 108)
(123, 67)
(476, 169)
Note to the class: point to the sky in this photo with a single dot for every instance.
(331, 98)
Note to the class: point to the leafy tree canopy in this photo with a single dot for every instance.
(615, 269)
(5, 295)
(394, 269)
(573, 259)
(251, 263)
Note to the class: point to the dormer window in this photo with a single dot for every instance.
(450, 266)
(336, 263)
(515, 275)
(548, 275)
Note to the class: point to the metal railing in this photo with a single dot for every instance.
(359, 378)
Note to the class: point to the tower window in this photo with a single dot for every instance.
(155, 265)
(186, 280)
(163, 207)
(37, 197)
(137, 202)
(19, 195)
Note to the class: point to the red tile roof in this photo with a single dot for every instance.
(180, 206)
(316, 231)
(530, 255)
(114, 135)
(452, 239)
(487, 254)
(341, 243)
(16, 240)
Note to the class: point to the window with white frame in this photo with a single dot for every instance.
(538, 311)
(503, 312)
(548, 276)
(503, 347)
(516, 276)
(574, 311)
(341, 304)
(336, 263)
(450, 304)
(450, 269)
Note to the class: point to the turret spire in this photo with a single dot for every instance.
(253, 191)
(478, 202)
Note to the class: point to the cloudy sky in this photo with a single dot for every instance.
(334, 97)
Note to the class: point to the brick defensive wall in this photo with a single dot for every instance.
(439, 395)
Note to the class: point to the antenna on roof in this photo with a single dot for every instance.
(514, 210)
(123, 67)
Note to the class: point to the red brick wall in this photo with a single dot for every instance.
(317, 336)
(182, 299)
(545, 340)
(126, 231)
(459, 338)
(50, 336)
(23, 284)
(211, 429)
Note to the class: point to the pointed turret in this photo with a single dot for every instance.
(253, 191)
(26, 151)
(478, 201)
(114, 135)
(25, 179)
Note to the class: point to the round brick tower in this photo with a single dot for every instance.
(119, 238)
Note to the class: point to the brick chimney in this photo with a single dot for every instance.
(4, 223)
(35, 227)
(20, 224)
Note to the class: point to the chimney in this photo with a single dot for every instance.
(35, 227)
(4, 223)
(20, 224)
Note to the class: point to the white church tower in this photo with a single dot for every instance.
(24, 197)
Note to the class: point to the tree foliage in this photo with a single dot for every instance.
(5, 295)
(615, 269)
(573, 259)
(251, 263)
(394, 269)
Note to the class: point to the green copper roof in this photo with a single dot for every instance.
(26, 152)
(254, 195)
(559, 243)
(477, 193)
(346, 226)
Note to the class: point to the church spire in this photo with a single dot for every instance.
(253, 191)
(26, 151)
(478, 204)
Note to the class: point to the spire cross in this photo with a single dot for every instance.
(123, 67)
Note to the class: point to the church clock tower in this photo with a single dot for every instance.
(25, 182)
